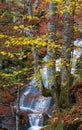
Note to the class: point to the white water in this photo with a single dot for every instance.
(32, 101)
(35, 128)
(38, 104)
(76, 54)
(35, 119)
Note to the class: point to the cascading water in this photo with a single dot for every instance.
(36, 121)
(76, 53)
(32, 99)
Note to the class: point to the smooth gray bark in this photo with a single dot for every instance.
(34, 49)
(50, 52)
(50, 58)
(66, 53)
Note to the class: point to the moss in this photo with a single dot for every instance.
(73, 126)
(46, 92)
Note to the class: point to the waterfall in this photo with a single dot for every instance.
(36, 119)
(35, 128)
(76, 53)
(32, 99)
(34, 102)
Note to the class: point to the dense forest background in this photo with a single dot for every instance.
(37, 34)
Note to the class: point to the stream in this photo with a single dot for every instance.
(34, 102)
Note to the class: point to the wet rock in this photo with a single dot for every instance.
(7, 123)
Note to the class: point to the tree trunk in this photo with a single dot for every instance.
(51, 53)
(66, 54)
(18, 109)
(51, 39)
(30, 11)
(34, 50)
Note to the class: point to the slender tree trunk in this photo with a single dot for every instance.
(66, 53)
(30, 11)
(34, 50)
(18, 95)
(18, 109)
(51, 53)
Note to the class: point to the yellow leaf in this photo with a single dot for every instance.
(15, 27)
(3, 52)
(21, 26)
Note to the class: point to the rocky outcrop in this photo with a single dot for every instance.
(7, 123)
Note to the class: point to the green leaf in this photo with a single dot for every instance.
(59, 126)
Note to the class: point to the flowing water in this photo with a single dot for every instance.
(32, 99)
(76, 53)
